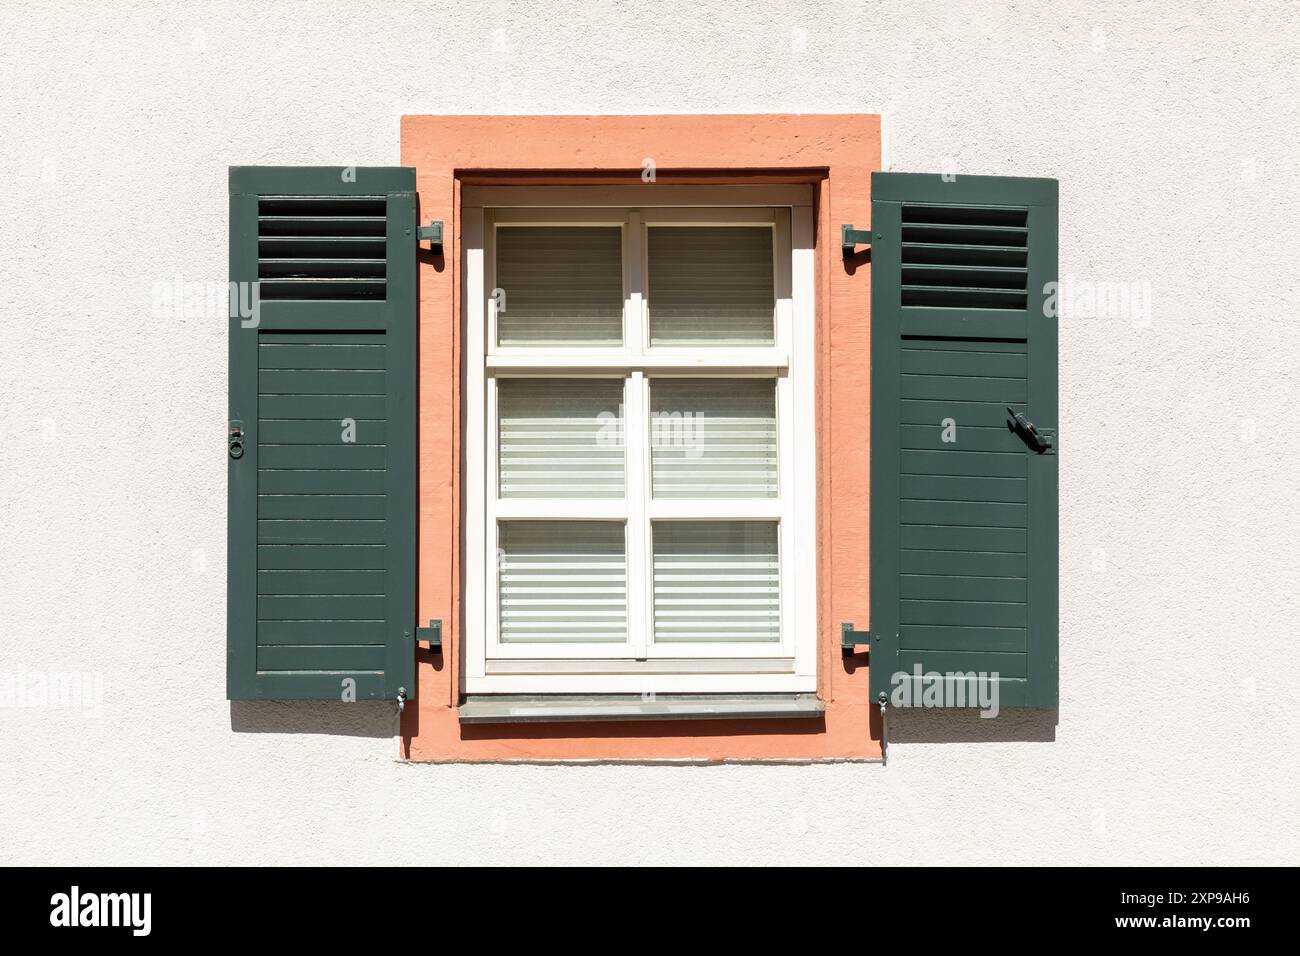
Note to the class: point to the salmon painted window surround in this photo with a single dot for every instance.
(640, 456)
(831, 156)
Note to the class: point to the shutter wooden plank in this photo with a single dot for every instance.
(290, 481)
(940, 637)
(963, 511)
(291, 657)
(973, 613)
(962, 388)
(1008, 665)
(961, 438)
(953, 587)
(321, 381)
(963, 464)
(341, 685)
(322, 550)
(320, 607)
(955, 538)
(308, 531)
(328, 557)
(279, 356)
(964, 413)
(967, 488)
(280, 431)
(333, 407)
(979, 514)
(270, 581)
(937, 323)
(319, 632)
(942, 361)
(321, 506)
(327, 457)
(928, 561)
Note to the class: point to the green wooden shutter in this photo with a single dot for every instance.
(321, 550)
(964, 530)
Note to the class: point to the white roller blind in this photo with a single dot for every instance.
(713, 438)
(562, 581)
(560, 285)
(711, 285)
(716, 581)
(560, 438)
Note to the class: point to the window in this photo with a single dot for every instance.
(639, 444)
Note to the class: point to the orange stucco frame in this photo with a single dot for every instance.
(838, 154)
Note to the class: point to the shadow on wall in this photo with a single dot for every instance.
(939, 726)
(377, 718)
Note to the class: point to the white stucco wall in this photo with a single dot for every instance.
(1173, 133)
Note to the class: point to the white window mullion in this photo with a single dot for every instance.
(636, 439)
(781, 279)
(488, 277)
(634, 334)
(635, 443)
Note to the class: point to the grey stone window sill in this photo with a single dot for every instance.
(550, 708)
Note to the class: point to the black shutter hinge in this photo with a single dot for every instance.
(850, 237)
(432, 234)
(432, 634)
(849, 639)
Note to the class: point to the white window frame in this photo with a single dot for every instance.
(640, 666)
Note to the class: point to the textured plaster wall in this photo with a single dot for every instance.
(1172, 128)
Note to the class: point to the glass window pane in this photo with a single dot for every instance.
(716, 581)
(711, 285)
(713, 438)
(560, 437)
(562, 581)
(560, 285)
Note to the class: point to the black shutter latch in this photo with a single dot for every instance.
(236, 439)
(1027, 432)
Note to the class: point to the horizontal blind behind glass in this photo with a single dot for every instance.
(560, 285)
(560, 438)
(711, 285)
(562, 581)
(713, 438)
(716, 581)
